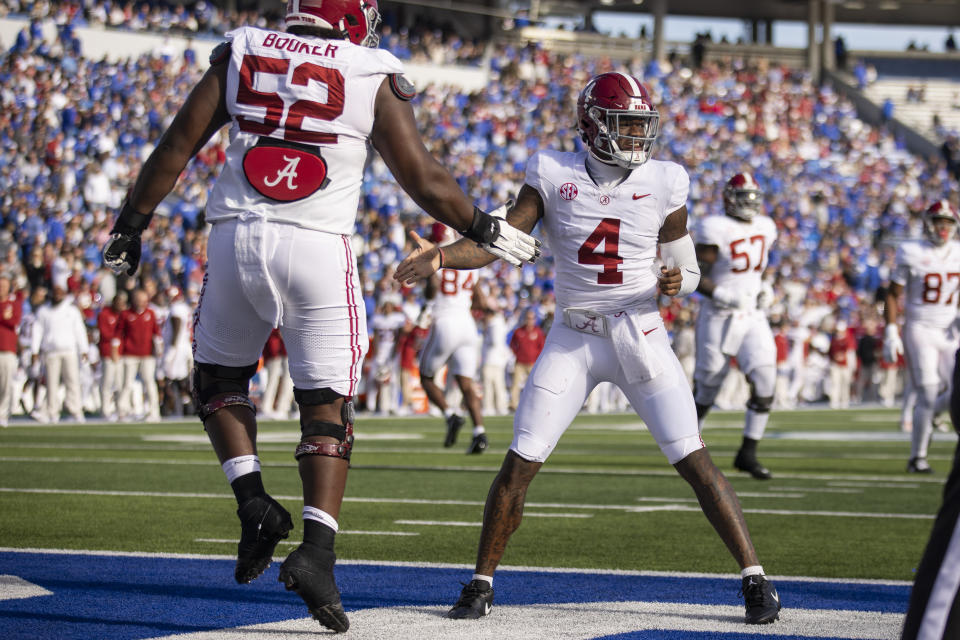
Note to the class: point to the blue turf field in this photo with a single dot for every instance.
(126, 597)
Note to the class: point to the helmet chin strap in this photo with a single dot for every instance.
(605, 174)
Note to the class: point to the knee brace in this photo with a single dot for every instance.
(216, 386)
(760, 404)
(320, 428)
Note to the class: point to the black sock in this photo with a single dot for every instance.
(318, 534)
(248, 486)
(749, 445)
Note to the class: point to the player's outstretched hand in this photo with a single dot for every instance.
(422, 262)
(669, 281)
(121, 253)
(511, 244)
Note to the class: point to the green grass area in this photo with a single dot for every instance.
(840, 505)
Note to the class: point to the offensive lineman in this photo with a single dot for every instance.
(453, 341)
(732, 251)
(605, 213)
(304, 107)
(927, 272)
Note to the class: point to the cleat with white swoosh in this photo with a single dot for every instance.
(761, 599)
(476, 601)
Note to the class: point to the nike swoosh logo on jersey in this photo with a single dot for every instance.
(637, 196)
(651, 331)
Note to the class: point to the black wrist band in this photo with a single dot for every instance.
(131, 221)
(484, 229)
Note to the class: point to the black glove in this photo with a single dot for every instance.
(122, 251)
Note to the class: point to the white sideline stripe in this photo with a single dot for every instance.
(16, 588)
(449, 565)
(461, 523)
(879, 485)
(908, 482)
(576, 621)
(539, 505)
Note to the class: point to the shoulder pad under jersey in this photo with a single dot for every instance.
(220, 53)
(402, 88)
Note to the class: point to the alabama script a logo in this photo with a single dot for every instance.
(289, 172)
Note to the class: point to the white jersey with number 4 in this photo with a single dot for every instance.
(302, 110)
(604, 240)
(742, 251)
(930, 276)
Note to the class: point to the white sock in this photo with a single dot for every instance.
(318, 515)
(477, 430)
(240, 466)
(449, 411)
(755, 570)
(487, 579)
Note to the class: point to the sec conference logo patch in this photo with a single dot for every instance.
(569, 191)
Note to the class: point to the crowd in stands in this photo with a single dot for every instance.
(73, 132)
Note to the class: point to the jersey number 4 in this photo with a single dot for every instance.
(607, 232)
(303, 74)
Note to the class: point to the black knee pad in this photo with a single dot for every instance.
(760, 405)
(315, 397)
(217, 386)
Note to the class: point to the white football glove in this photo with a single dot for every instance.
(730, 298)
(766, 296)
(892, 344)
(512, 245)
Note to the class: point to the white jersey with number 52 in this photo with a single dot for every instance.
(311, 100)
(604, 240)
(930, 276)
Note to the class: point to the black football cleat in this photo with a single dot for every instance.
(478, 444)
(454, 423)
(748, 462)
(761, 599)
(919, 465)
(264, 522)
(476, 601)
(308, 571)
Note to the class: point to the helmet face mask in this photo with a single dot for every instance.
(355, 20)
(617, 121)
(940, 222)
(742, 197)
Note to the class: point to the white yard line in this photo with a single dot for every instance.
(538, 505)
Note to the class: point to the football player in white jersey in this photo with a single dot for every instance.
(606, 211)
(927, 273)
(732, 251)
(455, 342)
(304, 107)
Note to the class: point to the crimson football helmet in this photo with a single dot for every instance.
(356, 20)
(940, 210)
(742, 197)
(616, 119)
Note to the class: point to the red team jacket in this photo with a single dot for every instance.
(136, 332)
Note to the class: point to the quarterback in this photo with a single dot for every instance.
(605, 212)
(732, 251)
(927, 274)
(304, 107)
